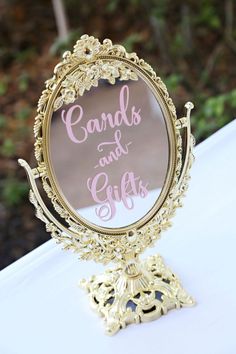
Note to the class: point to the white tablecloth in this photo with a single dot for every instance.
(42, 310)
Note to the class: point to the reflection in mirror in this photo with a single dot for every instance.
(109, 152)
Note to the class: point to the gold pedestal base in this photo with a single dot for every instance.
(138, 292)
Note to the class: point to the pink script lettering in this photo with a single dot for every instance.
(73, 116)
(107, 195)
(114, 154)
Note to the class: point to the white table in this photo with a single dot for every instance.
(42, 311)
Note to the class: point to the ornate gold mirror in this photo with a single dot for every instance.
(114, 159)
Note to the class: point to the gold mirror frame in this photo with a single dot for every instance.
(121, 67)
(79, 71)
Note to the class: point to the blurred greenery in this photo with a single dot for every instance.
(60, 46)
(191, 44)
(8, 148)
(4, 85)
(14, 191)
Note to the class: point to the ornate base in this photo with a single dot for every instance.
(139, 292)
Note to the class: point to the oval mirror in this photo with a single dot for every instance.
(109, 153)
(114, 160)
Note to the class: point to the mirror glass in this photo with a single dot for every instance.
(109, 153)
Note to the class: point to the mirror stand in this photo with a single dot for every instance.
(135, 292)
